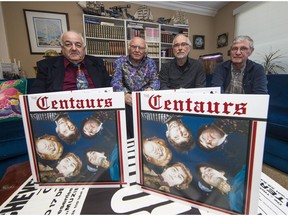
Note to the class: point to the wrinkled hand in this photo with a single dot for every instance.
(128, 99)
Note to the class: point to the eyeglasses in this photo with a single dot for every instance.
(177, 45)
(70, 44)
(139, 47)
(242, 49)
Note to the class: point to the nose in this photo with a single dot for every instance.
(73, 46)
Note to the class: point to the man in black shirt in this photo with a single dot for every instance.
(182, 71)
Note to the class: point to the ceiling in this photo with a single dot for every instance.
(207, 8)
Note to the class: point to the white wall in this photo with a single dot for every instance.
(267, 24)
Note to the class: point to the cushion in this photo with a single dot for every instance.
(9, 98)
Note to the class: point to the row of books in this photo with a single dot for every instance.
(153, 50)
(168, 52)
(104, 31)
(152, 34)
(109, 67)
(135, 33)
(167, 37)
(105, 47)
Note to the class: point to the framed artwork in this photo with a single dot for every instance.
(198, 41)
(222, 40)
(44, 29)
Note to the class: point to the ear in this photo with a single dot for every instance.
(251, 51)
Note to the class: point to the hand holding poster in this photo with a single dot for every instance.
(203, 150)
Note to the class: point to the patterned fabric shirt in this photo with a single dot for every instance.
(159, 117)
(47, 116)
(235, 86)
(130, 78)
(230, 126)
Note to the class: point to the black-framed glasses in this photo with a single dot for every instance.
(177, 45)
(242, 49)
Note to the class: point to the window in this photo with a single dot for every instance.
(266, 23)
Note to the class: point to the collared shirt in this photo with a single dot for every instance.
(70, 75)
(128, 77)
(235, 86)
(254, 80)
(173, 77)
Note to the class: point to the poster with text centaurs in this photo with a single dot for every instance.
(76, 138)
(204, 150)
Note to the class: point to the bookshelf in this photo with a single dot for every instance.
(108, 38)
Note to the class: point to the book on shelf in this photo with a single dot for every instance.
(135, 25)
(107, 24)
(104, 31)
(152, 34)
(96, 47)
(109, 67)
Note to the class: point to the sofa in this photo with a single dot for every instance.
(13, 145)
(276, 142)
(12, 142)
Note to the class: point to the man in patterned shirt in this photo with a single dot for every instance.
(135, 72)
(240, 75)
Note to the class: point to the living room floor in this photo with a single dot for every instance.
(278, 176)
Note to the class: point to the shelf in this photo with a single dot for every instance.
(108, 38)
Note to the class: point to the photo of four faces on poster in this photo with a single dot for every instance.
(203, 159)
(76, 146)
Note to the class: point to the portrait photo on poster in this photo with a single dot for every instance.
(198, 41)
(199, 152)
(76, 146)
(193, 165)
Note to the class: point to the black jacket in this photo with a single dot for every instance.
(51, 71)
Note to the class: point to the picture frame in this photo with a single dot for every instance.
(222, 40)
(44, 29)
(198, 41)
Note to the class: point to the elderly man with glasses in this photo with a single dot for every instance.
(135, 72)
(60, 73)
(239, 75)
(182, 71)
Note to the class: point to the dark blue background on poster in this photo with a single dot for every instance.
(106, 141)
(230, 157)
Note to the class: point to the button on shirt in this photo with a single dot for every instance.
(70, 76)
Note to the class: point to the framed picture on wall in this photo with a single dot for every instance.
(222, 40)
(44, 30)
(198, 41)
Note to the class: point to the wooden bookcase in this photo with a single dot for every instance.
(108, 38)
